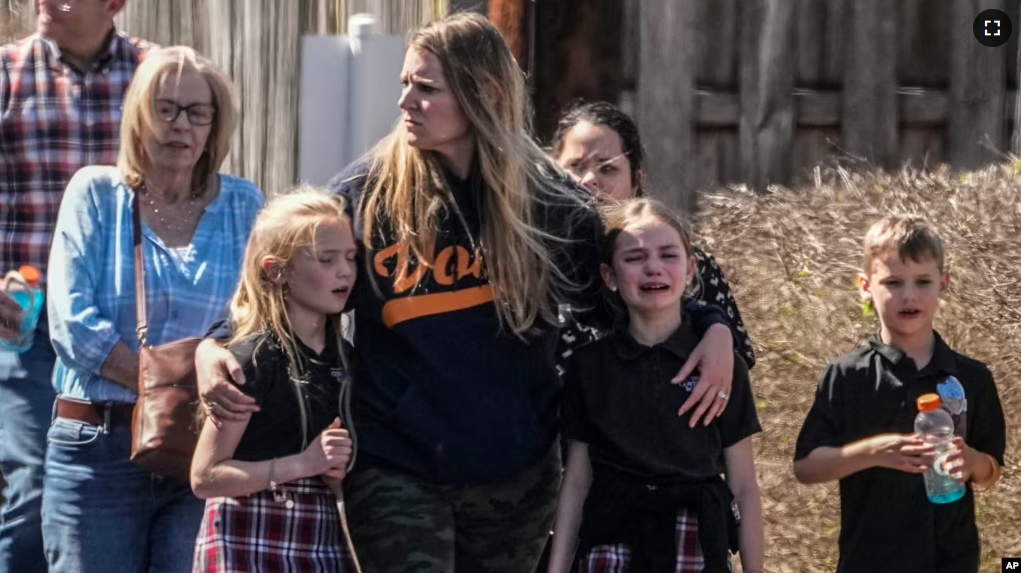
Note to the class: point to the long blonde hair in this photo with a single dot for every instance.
(288, 224)
(407, 188)
(139, 116)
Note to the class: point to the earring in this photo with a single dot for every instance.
(613, 288)
(868, 308)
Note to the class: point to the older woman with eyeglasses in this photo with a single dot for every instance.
(101, 512)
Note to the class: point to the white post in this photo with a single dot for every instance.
(349, 93)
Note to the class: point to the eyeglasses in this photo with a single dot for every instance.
(197, 113)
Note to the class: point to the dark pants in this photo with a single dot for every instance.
(401, 524)
(543, 565)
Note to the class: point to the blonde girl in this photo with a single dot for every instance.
(642, 489)
(269, 480)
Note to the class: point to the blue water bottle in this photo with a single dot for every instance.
(22, 285)
(937, 428)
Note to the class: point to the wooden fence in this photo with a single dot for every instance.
(16, 19)
(257, 42)
(725, 91)
(758, 91)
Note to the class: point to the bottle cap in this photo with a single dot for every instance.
(929, 402)
(30, 274)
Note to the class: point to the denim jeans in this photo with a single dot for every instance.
(26, 408)
(101, 513)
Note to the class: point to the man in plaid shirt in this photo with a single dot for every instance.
(61, 91)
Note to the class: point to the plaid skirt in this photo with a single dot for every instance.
(617, 558)
(297, 529)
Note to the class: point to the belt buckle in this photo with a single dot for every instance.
(107, 409)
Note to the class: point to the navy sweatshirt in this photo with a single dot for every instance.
(440, 391)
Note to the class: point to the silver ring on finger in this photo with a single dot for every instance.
(722, 395)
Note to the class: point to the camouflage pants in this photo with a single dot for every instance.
(402, 525)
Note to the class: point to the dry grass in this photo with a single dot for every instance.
(792, 257)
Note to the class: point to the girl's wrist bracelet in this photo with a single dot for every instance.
(272, 484)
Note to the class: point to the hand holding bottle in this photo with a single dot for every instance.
(21, 302)
(11, 314)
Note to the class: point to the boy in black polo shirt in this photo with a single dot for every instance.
(860, 430)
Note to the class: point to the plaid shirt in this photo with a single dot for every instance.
(54, 120)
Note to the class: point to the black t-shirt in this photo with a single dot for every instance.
(620, 401)
(275, 430)
(886, 521)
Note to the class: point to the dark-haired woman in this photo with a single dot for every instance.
(600, 146)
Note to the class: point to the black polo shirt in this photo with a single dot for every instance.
(275, 430)
(619, 400)
(886, 521)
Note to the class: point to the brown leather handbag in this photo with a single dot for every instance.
(163, 429)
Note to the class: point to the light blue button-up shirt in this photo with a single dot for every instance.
(91, 282)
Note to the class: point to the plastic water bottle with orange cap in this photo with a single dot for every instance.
(22, 285)
(937, 429)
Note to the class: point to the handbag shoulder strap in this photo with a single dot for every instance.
(136, 217)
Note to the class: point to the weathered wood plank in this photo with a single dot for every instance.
(823, 108)
(630, 40)
(514, 18)
(870, 114)
(17, 20)
(715, 109)
(708, 157)
(578, 55)
(1015, 143)
(767, 84)
(921, 61)
(817, 108)
(729, 145)
(922, 146)
(392, 16)
(1010, 52)
(715, 43)
(814, 146)
(480, 6)
(835, 42)
(666, 97)
(809, 41)
(977, 85)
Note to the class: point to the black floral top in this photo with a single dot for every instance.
(710, 287)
